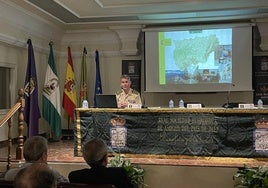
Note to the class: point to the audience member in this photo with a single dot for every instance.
(34, 151)
(95, 154)
(37, 175)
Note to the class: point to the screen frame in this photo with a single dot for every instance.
(242, 64)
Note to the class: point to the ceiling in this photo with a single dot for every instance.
(147, 12)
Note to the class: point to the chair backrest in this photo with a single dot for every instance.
(6, 184)
(9, 184)
(79, 185)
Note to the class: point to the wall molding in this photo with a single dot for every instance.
(262, 25)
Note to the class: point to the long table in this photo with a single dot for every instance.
(177, 131)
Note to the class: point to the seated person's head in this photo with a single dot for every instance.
(95, 152)
(125, 82)
(35, 149)
(37, 175)
(124, 76)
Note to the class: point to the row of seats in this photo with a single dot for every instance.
(9, 184)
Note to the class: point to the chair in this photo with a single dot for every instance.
(6, 184)
(80, 185)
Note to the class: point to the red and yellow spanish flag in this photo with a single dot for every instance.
(69, 96)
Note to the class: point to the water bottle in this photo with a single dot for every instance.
(84, 104)
(181, 104)
(260, 103)
(171, 103)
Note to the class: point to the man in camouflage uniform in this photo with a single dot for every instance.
(127, 95)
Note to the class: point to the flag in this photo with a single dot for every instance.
(51, 96)
(31, 110)
(83, 81)
(98, 88)
(69, 95)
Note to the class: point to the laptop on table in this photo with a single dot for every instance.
(106, 101)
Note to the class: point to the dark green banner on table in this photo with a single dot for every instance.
(200, 134)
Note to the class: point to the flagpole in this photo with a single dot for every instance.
(68, 137)
(98, 87)
(51, 98)
(31, 110)
(69, 96)
(50, 136)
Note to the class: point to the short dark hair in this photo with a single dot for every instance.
(94, 152)
(37, 175)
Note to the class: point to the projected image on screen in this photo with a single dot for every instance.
(195, 56)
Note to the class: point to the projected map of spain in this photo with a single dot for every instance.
(193, 57)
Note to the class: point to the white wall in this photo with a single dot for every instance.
(16, 27)
(115, 44)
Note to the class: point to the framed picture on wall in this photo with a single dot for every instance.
(260, 77)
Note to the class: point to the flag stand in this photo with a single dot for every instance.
(68, 130)
(67, 133)
(50, 139)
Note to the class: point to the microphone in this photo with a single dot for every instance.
(228, 105)
(143, 102)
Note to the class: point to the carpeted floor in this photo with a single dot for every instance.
(63, 151)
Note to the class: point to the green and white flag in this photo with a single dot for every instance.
(51, 96)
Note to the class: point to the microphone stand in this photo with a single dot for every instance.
(228, 97)
(227, 116)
